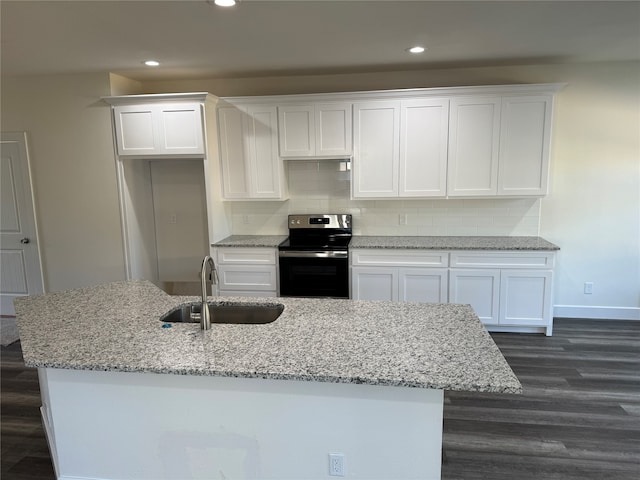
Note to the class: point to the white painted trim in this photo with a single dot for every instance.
(498, 90)
(596, 312)
(516, 329)
(158, 97)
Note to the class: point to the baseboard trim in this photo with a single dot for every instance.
(596, 313)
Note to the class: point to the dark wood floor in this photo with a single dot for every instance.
(579, 416)
(578, 419)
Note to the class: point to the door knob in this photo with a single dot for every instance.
(25, 240)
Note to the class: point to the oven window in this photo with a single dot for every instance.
(314, 277)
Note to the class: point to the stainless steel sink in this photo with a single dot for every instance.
(238, 313)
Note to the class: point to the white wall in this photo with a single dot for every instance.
(180, 212)
(592, 212)
(71, 150)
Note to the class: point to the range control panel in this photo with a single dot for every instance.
(331, 220)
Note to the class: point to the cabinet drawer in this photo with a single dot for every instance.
(508, 259)
(400, 258)
(247, 277)
(246, 256)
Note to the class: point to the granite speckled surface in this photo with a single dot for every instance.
(117, 327)
(453, 243)
(251, 241)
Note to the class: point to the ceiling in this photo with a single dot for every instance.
(195, 39)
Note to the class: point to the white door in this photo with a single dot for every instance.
(266, 171)
(233, 153)
(19, 255)
(376, 151)
(334, 135)
(474, 135)
(424, 133)
(525, 297)
(525, 131)
(428, 285)
(296, 131)
(478, 287)
(374, 283)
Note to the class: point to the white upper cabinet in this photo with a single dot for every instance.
(315, 130)
(401, 148)
(159, 129)
(499, 146)
(474, 139)
(251, 168)
(376, 138)
(525, 131)
(486, 141)
(424, 125)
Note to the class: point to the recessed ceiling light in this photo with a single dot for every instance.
(225, 3)
(151, 63)
(416, 49)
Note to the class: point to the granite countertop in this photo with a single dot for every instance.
(453, 243)
(117, 327)
(417, 242)
(256, 241)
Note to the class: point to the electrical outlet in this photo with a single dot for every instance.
(245, 219)
(173, 218)
(336, 465)
(588, 288)
(402, 219)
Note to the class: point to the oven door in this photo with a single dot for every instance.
(314, 274)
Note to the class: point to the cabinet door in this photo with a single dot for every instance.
(266, 170)
(376, 152)
(525, 297)
(524, 145)
(374, 283)
(424, 134)
(478, 287)
(296, 131)
(233, 155)
(423, 285)
(181, 130)
(333, 124)
(135, 129)
(474, 136)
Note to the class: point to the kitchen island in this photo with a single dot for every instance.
(124, 397)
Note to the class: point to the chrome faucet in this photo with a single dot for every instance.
(205, 318)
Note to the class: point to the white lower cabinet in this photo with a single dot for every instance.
(249, 272)
(399, 275)
(509, 291)
(525, 297)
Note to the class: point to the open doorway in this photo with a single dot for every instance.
(165, 222)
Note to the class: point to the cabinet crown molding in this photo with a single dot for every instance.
(159, 98)
(487, 90)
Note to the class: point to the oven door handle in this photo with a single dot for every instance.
(307, 254)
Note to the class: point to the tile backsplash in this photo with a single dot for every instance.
(320, 187)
